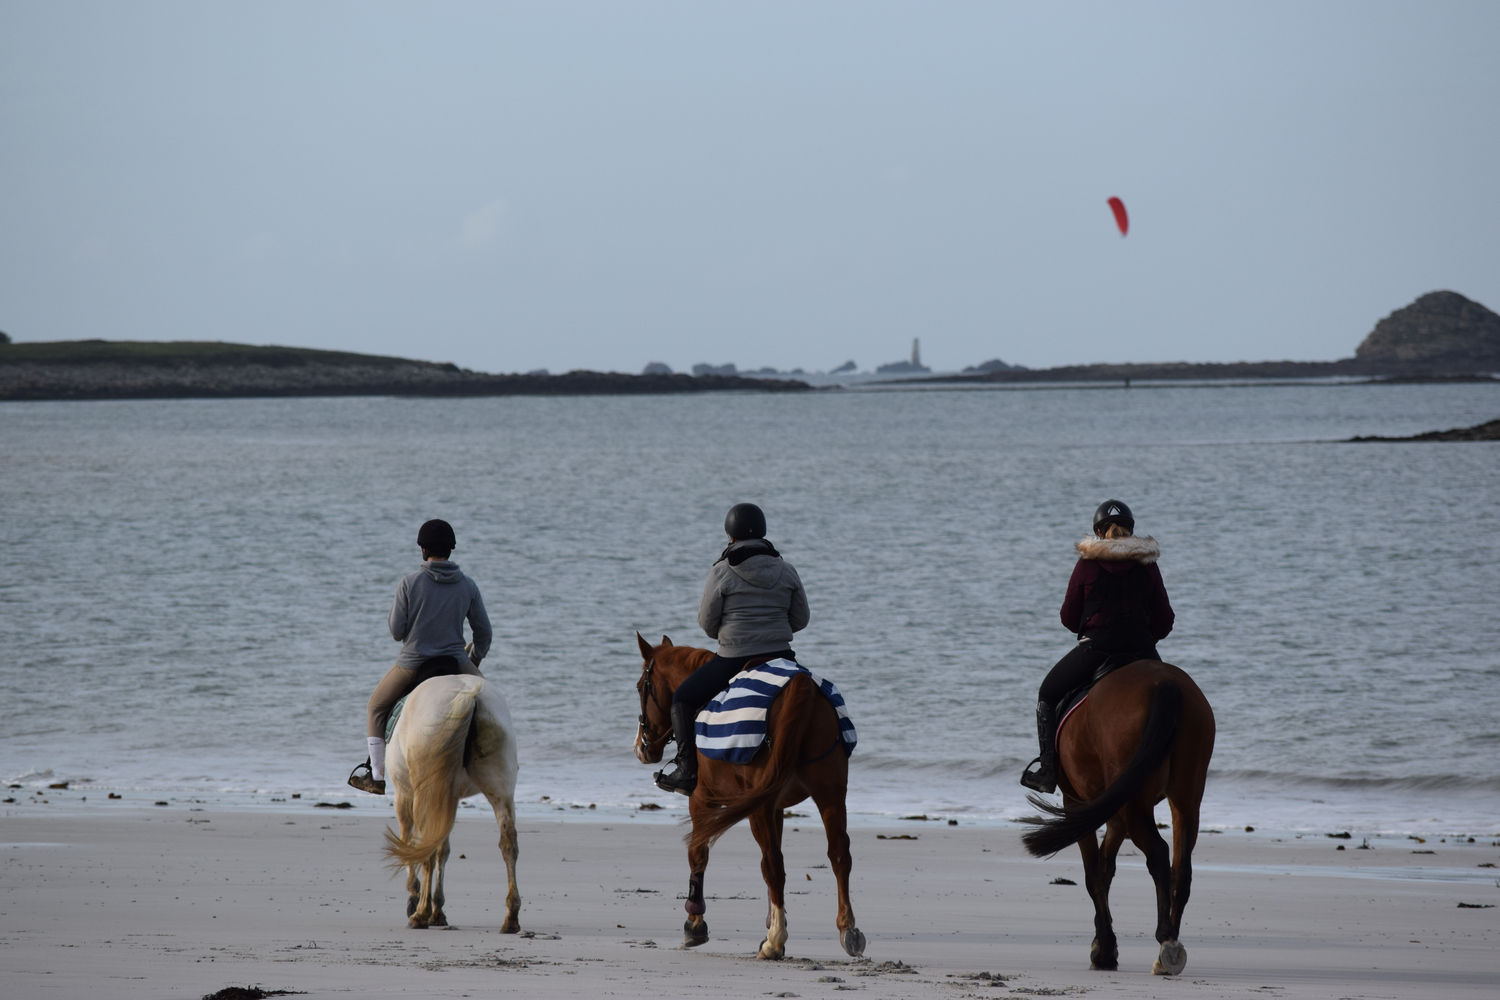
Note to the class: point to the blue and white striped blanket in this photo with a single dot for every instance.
(733, 726)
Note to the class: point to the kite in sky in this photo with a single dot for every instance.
(1121, 219)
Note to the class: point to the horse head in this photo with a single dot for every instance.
(653, 728)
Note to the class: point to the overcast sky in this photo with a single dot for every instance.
(559, 185)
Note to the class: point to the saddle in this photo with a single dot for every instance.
(732, 726)
(437, 666)
(1075, 697)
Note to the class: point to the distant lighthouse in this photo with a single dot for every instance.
(916, 352)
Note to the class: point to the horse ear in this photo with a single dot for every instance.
(645, 646)
(665, 641)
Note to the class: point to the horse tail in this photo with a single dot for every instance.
(781, 763)
(1069, 825)
(440, 748)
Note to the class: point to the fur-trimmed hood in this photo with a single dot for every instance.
(1142, 549)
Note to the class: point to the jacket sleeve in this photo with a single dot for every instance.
(1072, 605)
(797, 614)
(711, 607)
(479, 624)
(400, 619)
(1157, 604)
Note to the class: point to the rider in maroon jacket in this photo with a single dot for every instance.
(1117, 606)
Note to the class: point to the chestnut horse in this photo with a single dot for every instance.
(1144, 734)
(453, 739)
(803, 756)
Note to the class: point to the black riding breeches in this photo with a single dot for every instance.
(1077, 668)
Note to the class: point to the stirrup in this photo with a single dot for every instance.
(363, 778)
(1037, 780)
(676, 781)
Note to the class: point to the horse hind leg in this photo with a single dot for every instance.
(439, 867)
(1173, 956)
(1098, 876)
(766, 825)
(505, 811)
(836, 825)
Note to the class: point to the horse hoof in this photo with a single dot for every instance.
(1102, 961)
(768, 952)
(854, 942)
(511, 926)
(694, 932)
(438, 921)
(417, 925)
(1171, 961)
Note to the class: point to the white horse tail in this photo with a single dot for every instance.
(434, 730)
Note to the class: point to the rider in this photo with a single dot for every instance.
(752, 604)
(1117, 605)
(427, 618)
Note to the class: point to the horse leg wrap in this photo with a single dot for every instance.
(694, 904)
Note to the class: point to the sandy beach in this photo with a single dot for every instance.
(121, 900)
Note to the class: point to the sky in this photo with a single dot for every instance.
(599, 184)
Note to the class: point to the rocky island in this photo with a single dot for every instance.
(97, 369)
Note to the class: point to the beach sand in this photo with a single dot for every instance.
(114, 899)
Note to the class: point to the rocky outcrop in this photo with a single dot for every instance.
(1488, 431)
(1439, 332)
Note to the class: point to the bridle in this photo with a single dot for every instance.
(650, 737)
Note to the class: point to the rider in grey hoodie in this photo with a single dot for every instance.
(752, 604)
(427, 618)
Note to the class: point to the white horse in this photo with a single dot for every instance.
(453, 740)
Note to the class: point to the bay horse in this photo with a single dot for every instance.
(1144, 733)
(453, 739)
(802, 757)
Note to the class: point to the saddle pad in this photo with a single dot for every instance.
(732, 726)
(1068, 710)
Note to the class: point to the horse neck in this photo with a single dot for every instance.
(678, 665)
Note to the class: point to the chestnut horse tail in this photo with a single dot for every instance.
(436, 748)
(797, 703)
(1069, 825)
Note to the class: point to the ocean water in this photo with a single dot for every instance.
(194, 601)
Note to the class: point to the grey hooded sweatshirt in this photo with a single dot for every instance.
(753, 607)
(428, 615)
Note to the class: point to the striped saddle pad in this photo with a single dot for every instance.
(732, 727)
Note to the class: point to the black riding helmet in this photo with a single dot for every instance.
(745, 520)
(436, 536)
(1113, 512)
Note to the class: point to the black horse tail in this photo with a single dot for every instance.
(1070, 825)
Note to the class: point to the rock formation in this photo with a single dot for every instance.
(1439, 332)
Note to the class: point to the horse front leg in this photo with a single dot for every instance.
(1098, 875)
(836, 825)
(695, 928)
(766, 825)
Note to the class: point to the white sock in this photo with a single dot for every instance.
(377, 757)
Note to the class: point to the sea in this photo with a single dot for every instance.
(193, 606)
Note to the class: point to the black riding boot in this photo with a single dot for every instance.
(684, 777)
(1044, 778)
